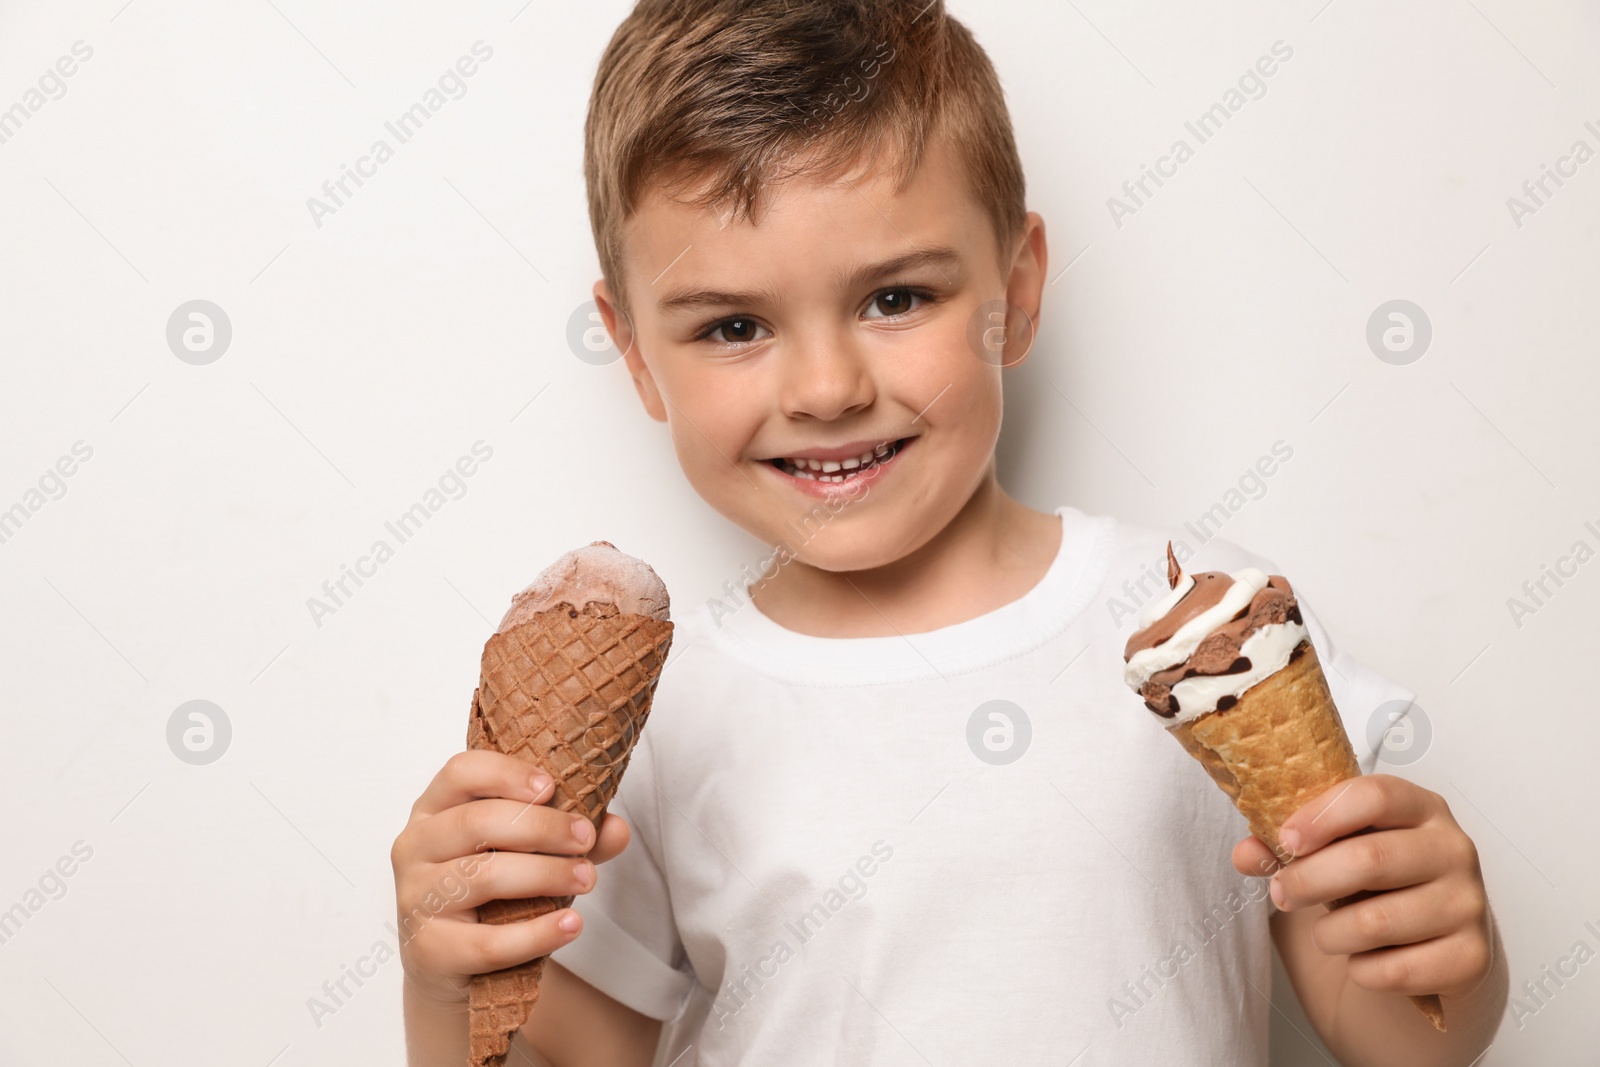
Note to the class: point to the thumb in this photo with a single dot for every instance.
(1252, 857)
(613, 837)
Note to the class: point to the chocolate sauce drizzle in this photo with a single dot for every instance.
(1218, 651)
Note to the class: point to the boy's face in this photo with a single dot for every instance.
(818, 336)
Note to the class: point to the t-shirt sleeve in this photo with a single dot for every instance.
(629, 948)
(1370, 705)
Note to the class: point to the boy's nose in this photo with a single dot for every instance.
(826, 379)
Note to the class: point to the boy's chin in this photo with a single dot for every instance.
(843, 562)
(863, 548)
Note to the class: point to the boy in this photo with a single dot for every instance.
(894, 805)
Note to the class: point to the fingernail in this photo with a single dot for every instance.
(1277, 893)
(583, 874)
(539, 783)
(583, 833)
(569, 922)
(1290, 840)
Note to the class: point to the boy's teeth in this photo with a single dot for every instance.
(828, 470)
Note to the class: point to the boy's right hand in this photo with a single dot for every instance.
(482, 831)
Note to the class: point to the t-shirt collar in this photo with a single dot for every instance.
(1038, 616)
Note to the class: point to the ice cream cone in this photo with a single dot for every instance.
(567, 689)
(1227, 662)
(1282, 745)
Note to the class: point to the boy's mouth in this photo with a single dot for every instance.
(840, 470)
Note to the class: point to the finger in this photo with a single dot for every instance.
(1399, 917)
(1384, 859)
(466, 948)
(1376, 800)
(472, 880)
(479, 773)
(1447, 965)
(614, 837)
(506, 825)
(1252, 857)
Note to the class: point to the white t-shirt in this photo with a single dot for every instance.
(825, 868)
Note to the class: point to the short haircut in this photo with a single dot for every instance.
(714, 99)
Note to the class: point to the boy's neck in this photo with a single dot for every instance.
(991, 553)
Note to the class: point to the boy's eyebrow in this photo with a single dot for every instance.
(918, 257)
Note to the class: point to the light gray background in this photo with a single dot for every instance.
(430, 312)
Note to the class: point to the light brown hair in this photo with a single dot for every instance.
(713, 99)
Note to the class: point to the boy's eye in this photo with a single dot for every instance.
(734, 331)
(886, 304)
(892, 302)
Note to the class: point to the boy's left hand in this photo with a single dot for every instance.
(1430, 898)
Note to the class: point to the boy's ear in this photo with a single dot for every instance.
(620, 327)
(1025, 286)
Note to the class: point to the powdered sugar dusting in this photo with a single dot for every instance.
(595, 573)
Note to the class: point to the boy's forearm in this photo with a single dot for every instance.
(436, 1033)
(1371, 1029)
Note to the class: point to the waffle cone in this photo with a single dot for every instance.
(569, 691)
(1281, 746)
